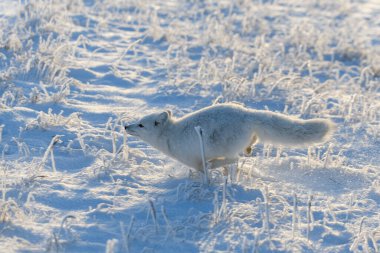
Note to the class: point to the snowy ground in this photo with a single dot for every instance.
(73, 73)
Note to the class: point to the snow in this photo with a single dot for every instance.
(73, 73)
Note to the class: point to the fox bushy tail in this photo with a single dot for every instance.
(275, 128)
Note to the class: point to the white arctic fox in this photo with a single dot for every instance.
(227, 129)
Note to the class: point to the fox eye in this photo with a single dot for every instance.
(156, 123)
(141, 125)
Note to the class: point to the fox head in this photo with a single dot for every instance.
(150, 127)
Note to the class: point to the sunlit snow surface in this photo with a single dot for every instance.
(73, 73)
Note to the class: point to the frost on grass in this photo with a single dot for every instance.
(80, 70)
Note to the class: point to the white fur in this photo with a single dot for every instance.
(228, 129)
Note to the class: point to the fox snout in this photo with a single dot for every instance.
(128, 128)
(131, 129)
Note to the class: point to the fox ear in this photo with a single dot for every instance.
(164, 116)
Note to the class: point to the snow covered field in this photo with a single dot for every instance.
(72, 73)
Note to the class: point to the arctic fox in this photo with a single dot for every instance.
(228, 129)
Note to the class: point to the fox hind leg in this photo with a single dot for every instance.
(248, 150)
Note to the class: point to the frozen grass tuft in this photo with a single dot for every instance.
(205, 175)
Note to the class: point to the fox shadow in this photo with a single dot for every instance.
(332, 180)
